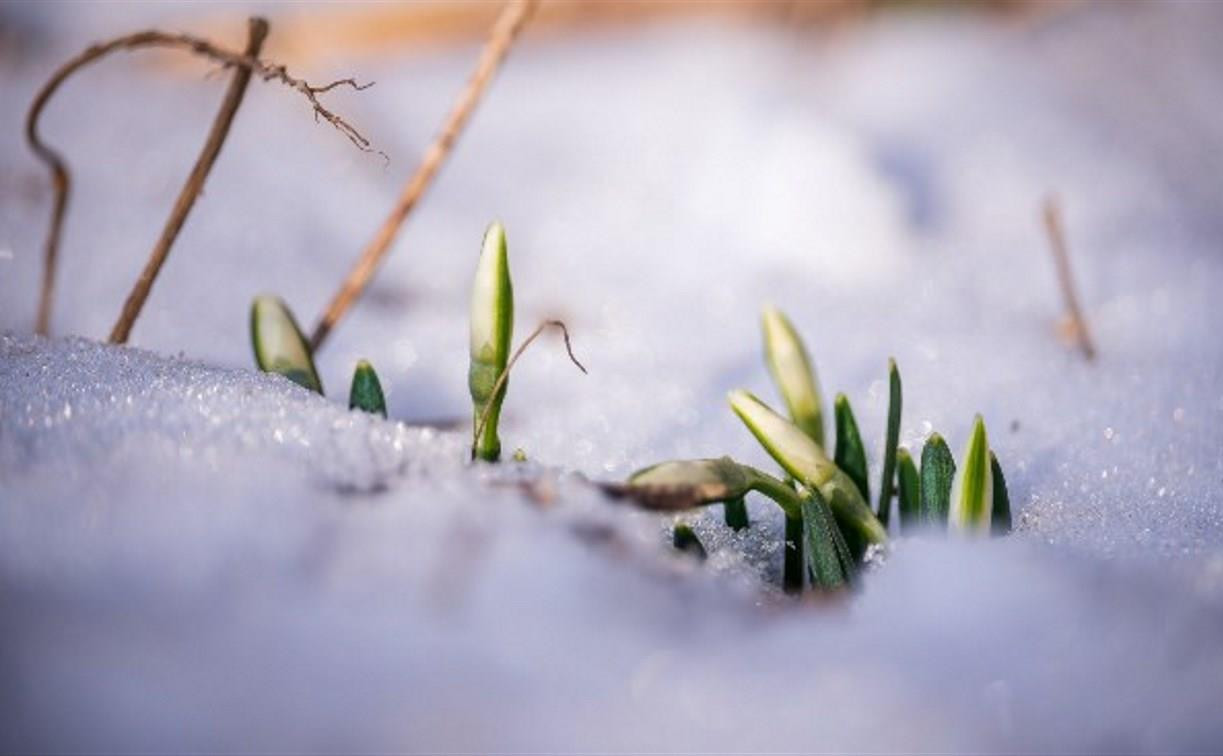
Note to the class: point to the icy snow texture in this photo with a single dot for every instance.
(196, 557)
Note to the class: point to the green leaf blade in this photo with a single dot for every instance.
(792, 371)
(279, 345)
(972, 493)
(365, 393)
(1000, 520)
(850, 453)
(908, 485)
(887, 484)
(937, 476)
(828, 561)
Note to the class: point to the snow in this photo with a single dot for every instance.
(196, 556)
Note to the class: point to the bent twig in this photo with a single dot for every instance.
(1065, 277)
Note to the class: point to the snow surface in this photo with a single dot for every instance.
(196, 556)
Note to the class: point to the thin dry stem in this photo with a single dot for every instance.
(1065, 276)
(509, 25)
(60, 177)
(257, 30)
(505, 374)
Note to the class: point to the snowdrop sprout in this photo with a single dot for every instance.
(937, 475)
(279, 344)
(791, 368)
(972, 493)
(366, 392)
(908, 486)
(492, 326)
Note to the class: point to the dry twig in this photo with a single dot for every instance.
(61, 180)
(257, 30)
(505, 374)
(507, 28)
(1065, 277)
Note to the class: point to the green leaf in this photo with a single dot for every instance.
(887, 485)
(972, 493)
(366, 392)
(937, 475)
(791, 368)
(828, 560)
(908, 486)
(492, 327)
(684, 539)
(735, 513)
(850, 454)
(805, 460)
(279, 344)
(1000, 521)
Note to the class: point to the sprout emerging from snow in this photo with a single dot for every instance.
(791, 368)
(492, 326)
(972, 493)
(279, 344)
(366, 392)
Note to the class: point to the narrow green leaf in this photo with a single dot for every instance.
(908, 484)
(937, 475)
(793, 373)
(887, 485)
(1000, 522)
(828, 561)
(684, 539)
(972, 493)
(492, 326)
(792, 568)
(366, 392)
(850, 453)
(279, 344)
(805, 460)
(735, 513)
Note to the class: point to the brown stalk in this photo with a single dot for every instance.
(257, 30)
(1065, 276)
(61, 181)
(509, 25)
(505, 374)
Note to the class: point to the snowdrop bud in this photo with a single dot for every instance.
(492, 326)
(804, 459)
(792, 372)
(972, 493)
(707, 481)
(366, 392)
(279, 344)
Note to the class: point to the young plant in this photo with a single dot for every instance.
(1000, 520)
(937, 475)
(850, 454)
(685, 484)
(279, 344)
(492, 326)
(972, 493)
(887, 485)
(793, 373)
(908, 487)
(806, 462)
(366, 392)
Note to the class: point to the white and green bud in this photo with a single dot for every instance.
(791, 368)
(690, 482)
(279, 344)
(492, 327)
(972, 492)
(802, 458)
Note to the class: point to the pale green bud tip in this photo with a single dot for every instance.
(972, 493)
(279, 344)
(703, 481)
(794, 450)
(492, 301)
(791, 368)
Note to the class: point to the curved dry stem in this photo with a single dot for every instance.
(509, 25)
(505, 374)
(61, 178)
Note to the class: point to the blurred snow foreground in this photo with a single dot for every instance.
(197, 556)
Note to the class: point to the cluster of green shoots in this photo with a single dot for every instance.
(829, 526)
(281, 347)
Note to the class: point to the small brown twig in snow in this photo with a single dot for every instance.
(505, 374)
(60, 177)
(507, 28)
(1065, 277)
